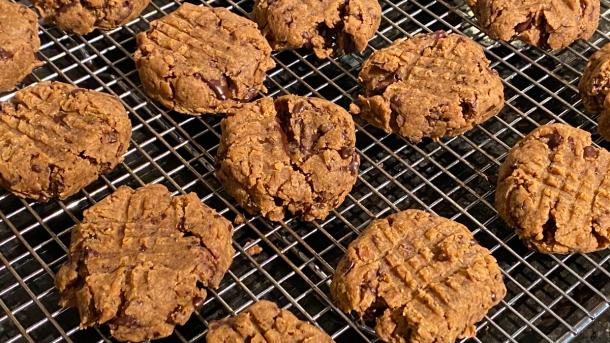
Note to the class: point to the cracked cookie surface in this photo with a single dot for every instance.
(329, 27)
(553, 189)
(550, 24)
(140, 259)
(19, 43)
(56, 138)
(432, 85)
(265, 322)
(294, 153)
(420, 277)
(200, 60)
(84, 16)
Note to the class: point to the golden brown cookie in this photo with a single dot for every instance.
(553, 189)
(550, 24)
(294, 153)
(200, 60)
(19, 43)
(329, 27)
(265, 322)
(56, 138)
(420, 277)
(432, 85)
(140, 259)
(83, 17)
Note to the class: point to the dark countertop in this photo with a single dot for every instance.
(598, 331)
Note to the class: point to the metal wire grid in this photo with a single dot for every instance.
(550, 298)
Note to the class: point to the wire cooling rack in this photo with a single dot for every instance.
(550, 298)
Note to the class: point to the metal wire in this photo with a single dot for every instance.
(550, 298)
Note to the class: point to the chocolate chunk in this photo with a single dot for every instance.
(591, 152)
(4, 54)
(526, 25)
(36, 168)
(298, 108)
(110, 137)
(220, 87)
(553, 140)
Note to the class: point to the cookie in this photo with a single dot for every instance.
(19, 43)
(82, 17)
(603, 122)
(552, 24)
(329, 27)
(553, 190)
(594, 84)
(432, 85)
(294, 153)
(56, 138)
(140, 259)
(200, 60)
(421, 277)
(265, 322)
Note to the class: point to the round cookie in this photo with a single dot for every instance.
(432, 85)
(421, 277)
(550, 24)
(594, 84)
(294, 153)
(553, 189)
(329, 27)
(265, 322)
(140, 259)
(82, 17)
(200, 60)
(19, 43)
(56, 138)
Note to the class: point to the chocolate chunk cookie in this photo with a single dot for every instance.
(431, 85)
(265, 322)
(56, 138)
(550, 24)
(595, 82)
(202, 60)
(423, 278)
(294, 153)
(139, 261)
(19, 43)
(553, 189)
(329, 27)
(85, 16)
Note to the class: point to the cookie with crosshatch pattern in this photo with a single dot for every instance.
(264, 321)
(140, 259)
(202, 60)
(56, 138)
(431, 85)
(420, 277)
(554, 190)
(19, 43)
